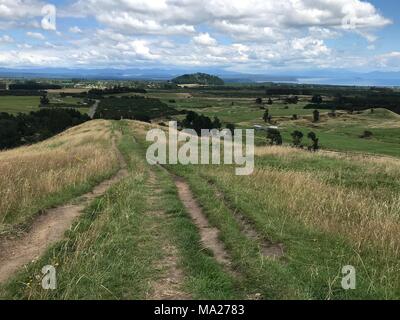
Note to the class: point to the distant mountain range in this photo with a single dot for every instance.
(327, 77)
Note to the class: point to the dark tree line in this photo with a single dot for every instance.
(36, 126)
(115, 90)
(32, 85)
(134, 108)
(359, 103)
(198, 122)
(22, 93)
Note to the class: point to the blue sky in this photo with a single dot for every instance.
(255, 36)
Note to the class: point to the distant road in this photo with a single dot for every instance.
(93, 109)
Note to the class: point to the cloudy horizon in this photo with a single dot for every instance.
(243, 36)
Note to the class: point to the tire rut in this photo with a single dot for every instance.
(169, 285)
(50, 227)
(267, 247)
(209, 235)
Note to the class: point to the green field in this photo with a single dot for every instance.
(14, 105)
(17, 104)
(341, 133)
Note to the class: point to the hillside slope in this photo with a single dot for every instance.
(201, 232)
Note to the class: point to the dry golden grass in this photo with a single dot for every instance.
(29, 175)
(354, 214)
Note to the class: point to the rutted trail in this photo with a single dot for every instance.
(267, 247)
(209, 235)
(50, 227)
(169, 286)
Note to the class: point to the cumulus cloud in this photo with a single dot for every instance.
(204, 39)
(20, 9)
(253, 34)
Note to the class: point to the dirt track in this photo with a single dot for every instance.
(49, 228)
(209, 235)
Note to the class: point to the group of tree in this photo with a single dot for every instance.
(198, 122)
(22, 93)
(292, 100)
(36, 126)
(369, 100)
(134, 108)
(33, 86)
(298, 136)
(274, 137)
(115, 90)
(260, 101)
(317, 99)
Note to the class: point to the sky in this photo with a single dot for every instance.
(252, 36)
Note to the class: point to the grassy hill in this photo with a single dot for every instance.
(199, 78)
(324, 211)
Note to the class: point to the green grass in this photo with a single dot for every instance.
(21, 104)
(14, 105)
(115, 250)
(341, 134)
(311, 268)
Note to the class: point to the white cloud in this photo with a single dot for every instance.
(6, 39)
(204, 39)
(36, 35)
(389, 60)
(20, 9)
(253, 34)
(75, 29)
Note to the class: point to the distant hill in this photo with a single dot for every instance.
(198, 78)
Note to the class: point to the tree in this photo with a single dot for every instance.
(367, 135)
(274, 136)
(317, 99)
(199, 122)
(266, 115)
(295, 117)
(259, 101)
(44, 100)
(315, 142)
(297, 137)
(231, 127)
(333, 111)
(270, 102)
(292, 100)
(217, 123)
(316, 115)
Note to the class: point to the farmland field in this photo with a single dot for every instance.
(14, 105)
